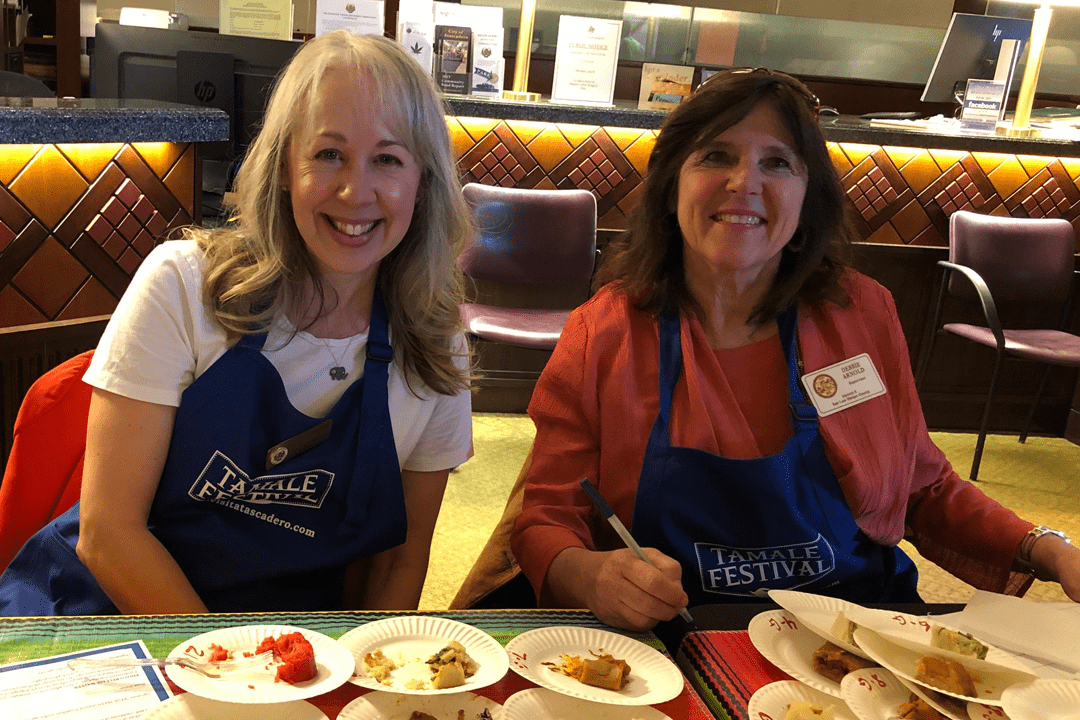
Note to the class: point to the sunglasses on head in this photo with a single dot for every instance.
(811, 98)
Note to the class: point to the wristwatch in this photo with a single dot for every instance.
(1023, 551)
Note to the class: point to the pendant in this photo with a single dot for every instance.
(338, 373)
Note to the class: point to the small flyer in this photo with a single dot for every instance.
(664, 86)
(363, 17)
(416, 36)
(256, 18)
(983, 102)
(487, 60)
(452, 50)
(586, 55)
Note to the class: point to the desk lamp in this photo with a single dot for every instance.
(1021, 126)
(520, 91)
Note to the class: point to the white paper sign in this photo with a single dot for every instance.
(363, 17)
(586, 55)
(256, 18)
(984, 101)
(47, 688)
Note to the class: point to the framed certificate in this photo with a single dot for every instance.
(586, 55)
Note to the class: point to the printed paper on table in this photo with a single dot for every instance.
(586, 55)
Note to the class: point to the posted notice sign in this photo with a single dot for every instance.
(586, 54)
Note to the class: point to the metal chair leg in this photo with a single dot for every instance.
(1035, 405)
(985, 421)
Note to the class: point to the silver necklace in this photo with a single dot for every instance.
(338, 371)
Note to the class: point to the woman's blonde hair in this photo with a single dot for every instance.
(256, 266)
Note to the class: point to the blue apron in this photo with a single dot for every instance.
(742, 527)
(249, 538)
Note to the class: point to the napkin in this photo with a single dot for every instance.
(1045, 633)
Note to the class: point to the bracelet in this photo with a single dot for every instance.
(1023, 551)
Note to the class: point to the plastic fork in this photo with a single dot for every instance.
(214, 669)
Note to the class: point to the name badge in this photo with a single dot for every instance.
(844, 384)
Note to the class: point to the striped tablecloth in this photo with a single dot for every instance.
(726, 669)
(31, 638)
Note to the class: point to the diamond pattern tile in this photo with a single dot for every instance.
(69, 241)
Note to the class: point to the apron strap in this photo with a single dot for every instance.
(804, 415)
(252, 342)
(671, 359)
(376, 429)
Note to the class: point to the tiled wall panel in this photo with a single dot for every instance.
(76, 221)
(898, 195)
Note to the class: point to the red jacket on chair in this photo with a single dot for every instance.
(44, 469)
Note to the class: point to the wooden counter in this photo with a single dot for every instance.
(87, 189)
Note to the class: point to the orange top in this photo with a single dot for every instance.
(597, 399)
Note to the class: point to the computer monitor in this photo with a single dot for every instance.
(229, 72)
(970, 51)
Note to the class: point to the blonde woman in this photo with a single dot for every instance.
(278, 404)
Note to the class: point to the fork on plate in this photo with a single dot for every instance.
(213, 669)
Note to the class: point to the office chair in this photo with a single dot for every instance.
(44, 470)
(1010, 264)
(535, 240)
(13, 84)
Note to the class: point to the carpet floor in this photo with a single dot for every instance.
(1039, 480)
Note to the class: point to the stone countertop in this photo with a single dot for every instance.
(88, 120)
(843, 128)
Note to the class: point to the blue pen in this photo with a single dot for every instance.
(609, 515)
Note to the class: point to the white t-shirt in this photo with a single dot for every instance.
(162, 337)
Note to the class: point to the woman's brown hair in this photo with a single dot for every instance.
(647, 261)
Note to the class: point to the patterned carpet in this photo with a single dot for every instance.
(1039, 480)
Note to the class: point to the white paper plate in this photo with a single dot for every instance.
(950, 707)
(398, 706)
(256, 685)
(653, 678)
(789, 645)
(544, 704)
(818, 613)
(873, 693)
(772, 700)
(903, 662)
(1043, 700)
(914, 633)
(409, 640)
(193, 707)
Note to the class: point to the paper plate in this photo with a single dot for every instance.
(950, 707)
(914, 633)
(903, 662)
(772, 700)
(873, 693)
(789, 645)
(256, 685)
(1043, 700)
(398, 706)
(653, 678)
(193, 707)
(409, 640)
(818, 613)
(544, 704)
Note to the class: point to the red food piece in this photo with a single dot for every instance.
(295, 653)
(217, 653)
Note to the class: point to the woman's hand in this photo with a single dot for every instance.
(617, 587)
(1056, 558)
(394, 578)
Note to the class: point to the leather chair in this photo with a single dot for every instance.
(1012, 267)
(13, 84)
(539, 241)
(44, 470)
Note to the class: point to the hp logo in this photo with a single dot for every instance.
(205, 91)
